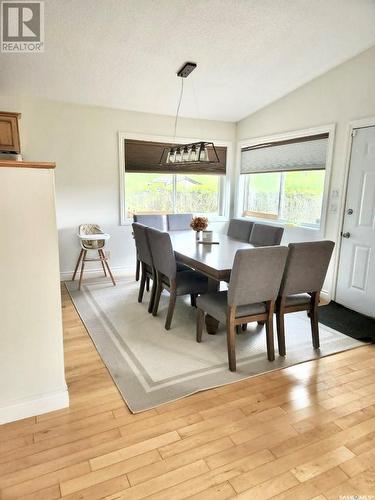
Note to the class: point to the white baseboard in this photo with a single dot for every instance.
(34, 406)
(67, 275)
(324, 294)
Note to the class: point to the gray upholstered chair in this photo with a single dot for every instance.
(265, 235)
(145, 259)
(179, 222)
(305, 271)
(240, 229)
(149, 220)
(185, 282)
(253, 288)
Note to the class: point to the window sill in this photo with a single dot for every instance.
(280, 223)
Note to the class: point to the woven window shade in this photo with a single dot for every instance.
(144, 156)
(303, 153)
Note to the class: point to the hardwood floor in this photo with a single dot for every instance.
(307, 431)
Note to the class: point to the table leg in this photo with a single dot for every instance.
(212, 324)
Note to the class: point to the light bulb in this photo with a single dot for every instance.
(185, 154)
(178, 156)
(193, 154)
(198, 152)
(204, 155)
(172, 155)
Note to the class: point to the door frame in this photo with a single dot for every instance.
(354, 124)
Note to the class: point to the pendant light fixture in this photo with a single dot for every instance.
(201, 152)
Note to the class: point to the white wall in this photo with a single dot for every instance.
(31, 346)
(343, 94)
(83, 141)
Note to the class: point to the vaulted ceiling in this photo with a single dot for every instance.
(125, 53)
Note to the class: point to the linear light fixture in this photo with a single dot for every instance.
(196, 152)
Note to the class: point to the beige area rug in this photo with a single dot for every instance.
(151, 366)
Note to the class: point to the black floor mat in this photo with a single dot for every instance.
(349, 322)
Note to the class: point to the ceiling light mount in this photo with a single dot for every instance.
(186, 69)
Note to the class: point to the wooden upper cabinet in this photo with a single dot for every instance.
(9, 132)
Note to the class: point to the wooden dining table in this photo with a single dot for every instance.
(214, 260)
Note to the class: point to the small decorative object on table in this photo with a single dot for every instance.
(199, 224)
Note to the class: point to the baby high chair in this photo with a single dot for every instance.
(91, 237)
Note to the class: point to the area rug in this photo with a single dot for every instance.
(349, 322)
(151, 366)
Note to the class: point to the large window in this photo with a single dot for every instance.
(172, 193)
(290, 197)
(154, 188)
(285, 181)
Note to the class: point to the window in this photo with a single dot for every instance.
(152, 188)
(172, 193)
(290, 197)
(284, 181)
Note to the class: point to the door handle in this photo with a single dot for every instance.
(345, 235)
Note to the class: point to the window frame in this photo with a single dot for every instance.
(225, 180)
(240, 183)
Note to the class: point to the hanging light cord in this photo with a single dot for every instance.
(178, 109)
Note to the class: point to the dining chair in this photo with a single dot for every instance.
(265, 235)
(179, 222)
(252, 292)
(239, 229)
(145, 259)
(92, 237)
(304, 275)
(185, 282)
(149, 220)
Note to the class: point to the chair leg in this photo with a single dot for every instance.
(280, 326)
(82, 268)
(193, 300)
(261, 323)
(142, 283)
(108, 269)
(269, 332)
(152, 296)
(171, 306)
(77, 265)
(102, 261)
(159, 288)
(231, 339)
(244, 327)
(147, 284)
(200, 323)
(137, 270)
(314, 320)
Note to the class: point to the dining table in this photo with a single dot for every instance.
(213, 259)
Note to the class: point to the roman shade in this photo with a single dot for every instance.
(144, 156)
(302, 153)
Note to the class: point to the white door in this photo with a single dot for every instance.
(356, 278)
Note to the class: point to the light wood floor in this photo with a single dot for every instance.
(304, 432)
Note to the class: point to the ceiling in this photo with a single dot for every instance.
(125, 53)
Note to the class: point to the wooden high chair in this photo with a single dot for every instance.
(91, 237)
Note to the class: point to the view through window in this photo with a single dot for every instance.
(172, 193)
(291, 197)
